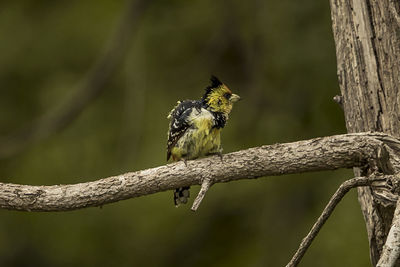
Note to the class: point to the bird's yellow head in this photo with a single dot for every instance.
(218, 97)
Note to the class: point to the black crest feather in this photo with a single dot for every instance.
(214, 83)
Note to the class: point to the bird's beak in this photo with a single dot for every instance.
(234, 98)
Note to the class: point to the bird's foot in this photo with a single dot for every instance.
(219, 154)
(185, 161)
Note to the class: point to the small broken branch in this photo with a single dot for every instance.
(335, 199)
(203, 190)
(391, 249)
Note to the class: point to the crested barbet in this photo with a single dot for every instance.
(195, 128)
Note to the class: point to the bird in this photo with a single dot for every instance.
(195, 128)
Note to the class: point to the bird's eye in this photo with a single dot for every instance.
(219, 102)
(227, 95)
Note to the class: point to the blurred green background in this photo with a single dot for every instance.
(278, 55)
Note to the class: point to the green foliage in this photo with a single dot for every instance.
(279, 56)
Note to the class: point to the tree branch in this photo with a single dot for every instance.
(335, 199)
(95, 82)
(391, 249)
(327, 153)
(203, 190)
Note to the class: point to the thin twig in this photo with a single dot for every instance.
(391, 249)
(203, 190)
(94, 83)
(335, 199)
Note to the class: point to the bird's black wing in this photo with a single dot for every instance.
(179, 122)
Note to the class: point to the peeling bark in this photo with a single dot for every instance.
(391, 249)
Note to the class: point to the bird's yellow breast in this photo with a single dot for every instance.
(200, 139)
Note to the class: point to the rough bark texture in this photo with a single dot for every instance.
(327, 153)
(391, 249)
(367, 37)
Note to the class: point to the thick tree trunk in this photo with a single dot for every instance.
(367, 37)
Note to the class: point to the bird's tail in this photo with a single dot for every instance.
(181, 195)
